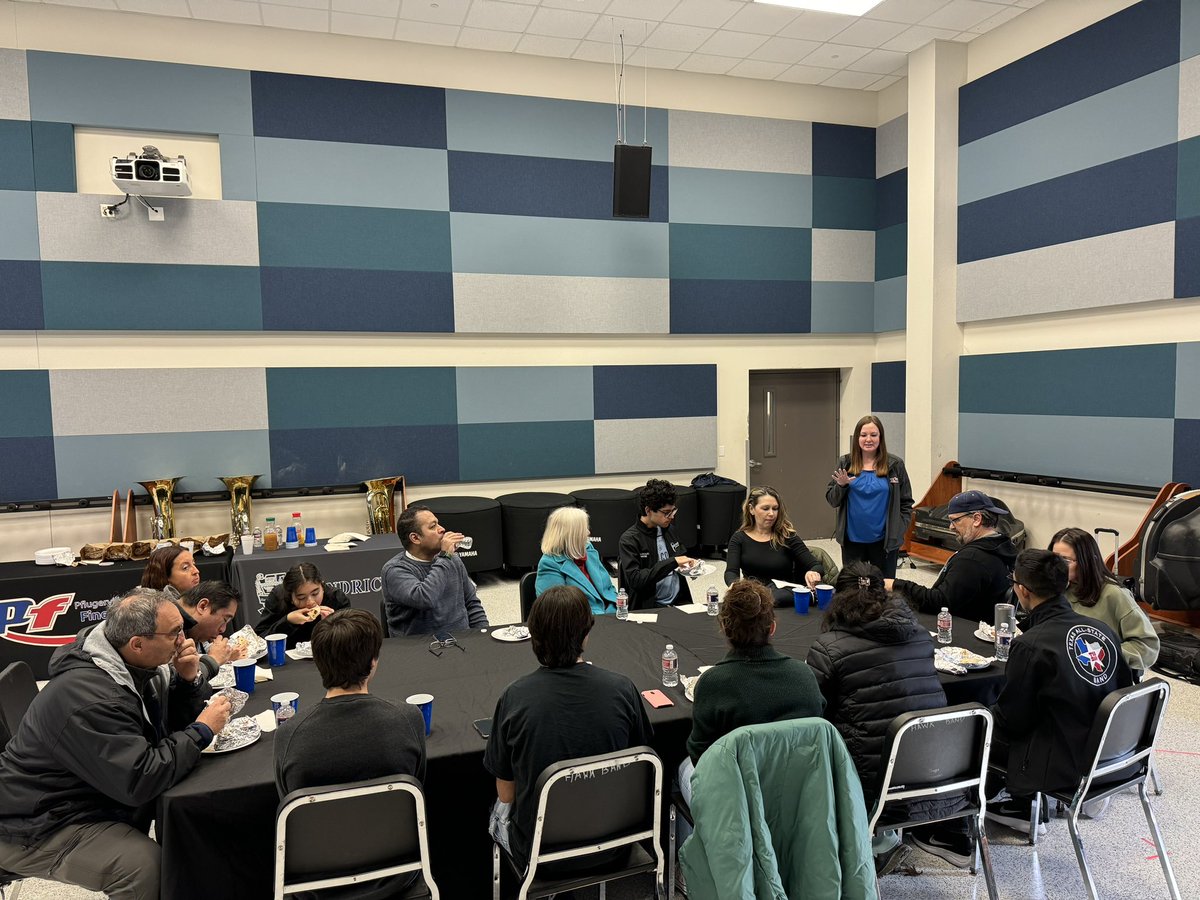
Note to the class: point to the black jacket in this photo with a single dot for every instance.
(87, 749)
(971, 583)
(279, 604)
(641, 569)
(1059, 670)
(871, 673)
(900, 503)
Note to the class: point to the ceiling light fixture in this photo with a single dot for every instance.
(844, 7)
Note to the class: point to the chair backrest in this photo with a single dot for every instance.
(827, 563)
(17, 690)
(935, 752)
(596, 803)
(350, 834)
(1122, 738)
(528, 589)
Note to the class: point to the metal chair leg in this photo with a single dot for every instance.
(1168, 873)
(495, 871)
(670, 886)
(984, 852)
(603, 886)
(1035, 818)
(1154, 776)
(1077, 843)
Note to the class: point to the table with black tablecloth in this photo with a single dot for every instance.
(217, 825)
(80, 594)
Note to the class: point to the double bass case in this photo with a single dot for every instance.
(1169, 561)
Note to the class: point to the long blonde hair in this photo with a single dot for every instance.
(881, 455)
(566, 533)
(783, 528)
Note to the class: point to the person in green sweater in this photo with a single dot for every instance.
(1095, 592)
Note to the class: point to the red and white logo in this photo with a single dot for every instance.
(24, 622)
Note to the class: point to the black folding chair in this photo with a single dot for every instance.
(939, 753)
(17, 690)
(586, 807)
(528, 590)
(321, 843)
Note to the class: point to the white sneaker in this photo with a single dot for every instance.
(1095, 809)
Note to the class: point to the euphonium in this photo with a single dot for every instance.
(160, 492)
(241, 513)
(381, 510)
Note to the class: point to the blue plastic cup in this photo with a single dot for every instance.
(285, 706)
(803, 600)
(310, 537)
(243, 674)
(824, 596)
(291, 539)
(276, 649)
(424, 702)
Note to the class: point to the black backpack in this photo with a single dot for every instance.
(1178, 656)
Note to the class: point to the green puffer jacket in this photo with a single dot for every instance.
(779, 814)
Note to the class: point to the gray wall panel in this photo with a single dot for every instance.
(744, 143)
(14, 85)
(524, 394)
(843, 255)
(891, 146)
(1189, 98)
(560, 304)
(655, 445)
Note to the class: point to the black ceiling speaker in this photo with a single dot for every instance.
(631, 181)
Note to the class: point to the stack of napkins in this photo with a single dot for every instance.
(344, 541)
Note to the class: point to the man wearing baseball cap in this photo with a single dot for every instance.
(976, 577)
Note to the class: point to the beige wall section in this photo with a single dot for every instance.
(95, 147)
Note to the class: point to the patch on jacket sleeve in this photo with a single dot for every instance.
(1092, 654)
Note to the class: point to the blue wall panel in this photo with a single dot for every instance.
(729, 252)
(844, 203)
(489, 394)
(360, 397)
(727, 306)
(891, 205)
(21, 295)
(296, 299)
(28, 470)
(1187, 258)
(16, 149)
(725, 197)
(25, 404)
(1186, 466)
(648, 392)
(888, 386)
(18, 225)
(54, 156)
(844, 150)
(505, 450)
(352, 237)
(891, 252)
(423, 454)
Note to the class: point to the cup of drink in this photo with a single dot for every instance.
(424, 702)
(243, 674)
(803, 599)
(247, 544)
(285, 706)
(310, 537)
(276, 647)
(291, 540)
(1006, 612)
(824, 596)
(466, 543)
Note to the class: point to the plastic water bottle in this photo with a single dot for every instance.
(670, 661)
(945, 626)
(1003, 640)
(714, 601)
(258, 538)
(622, 604)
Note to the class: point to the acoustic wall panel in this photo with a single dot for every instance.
(891, 252)
(335, 299)
(742, 143)
(1189, 98)
(21, 299)
(648, 445)
(14, 85)
(564, 304)
(891, 304)
(844, 202)
(353, 237)
(891, 146)
(423, 454)
(847, 151)
(53, 156)
(726, 197)
(731, 306)
(1186, 447)
(239, 169)
(490, 394)
(1187, 197)
(1187, 258)
(732, 252)
(891, 199)
(843, 307)
(18, 225)
(16, 149)
(888, 385)
(499, 451)
(1189, 29)
(843, 255)
(654, 392)
(1187, 381)
(360, 397)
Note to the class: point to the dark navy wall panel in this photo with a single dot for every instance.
(368, 396)
(423, 454)
(541, 186)
(16, 151)
(648, 392)
(1186, 463)
(1187, 258)
(21, 295)
(845, 150)
(28, 471)
(54, 156)
(498, 451)
(716, 306)
(1129, 193)
(295, 299)
(1134, 42)
(887, 386)
(1136, 382)
(340, 109)
(891, 204)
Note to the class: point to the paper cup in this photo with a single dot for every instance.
(424, 702)
(243, 674)
(803, 600)
(824, 596)
(247, 544)
(276, 647)
(285, 706)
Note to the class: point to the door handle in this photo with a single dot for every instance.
(754, 464)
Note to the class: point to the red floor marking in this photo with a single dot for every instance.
(1177, 752)
(1151, 843)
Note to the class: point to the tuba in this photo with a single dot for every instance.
(381, 508)
(160, 492)
(241, 515)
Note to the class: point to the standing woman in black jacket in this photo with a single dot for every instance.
(873, 498)
(298, 602)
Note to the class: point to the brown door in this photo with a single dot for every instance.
(794, 442)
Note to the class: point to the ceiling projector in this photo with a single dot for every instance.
(152, 174)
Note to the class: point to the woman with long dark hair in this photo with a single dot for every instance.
(298, 603)
(171, 569)
(767, 547)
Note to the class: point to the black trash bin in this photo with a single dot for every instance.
(687, 518)
(524, 515)
(478, 517)
(610, 511)
(720, 512)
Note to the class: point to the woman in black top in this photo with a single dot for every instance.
(300, 601)
(767, 548)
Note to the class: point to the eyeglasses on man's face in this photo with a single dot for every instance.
(667, 512)
(174, 634)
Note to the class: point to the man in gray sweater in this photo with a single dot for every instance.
(426, 588)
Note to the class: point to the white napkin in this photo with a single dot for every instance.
(643, 617)
(346, 537)
(261, 674)
(691, 608)
(266, 720)
(298, 654)
(212, 551)
(703, 669)
(333, 548)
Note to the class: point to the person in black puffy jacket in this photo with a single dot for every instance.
(874, 662)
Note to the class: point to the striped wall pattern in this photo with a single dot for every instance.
(87, 432)
(1129, 415)
(891, 225)
(362, 206)
(1079, 170)
(887, 401)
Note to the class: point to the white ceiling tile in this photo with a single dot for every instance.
(592, 6)
(656, 59)
(427, 32)
(669, 36)
(753, 68)
(917, 37)
(384, 8)
(448, 12)
(869, 33)
(305, 4)
(594, 51)
(91, 4)
(240, 11)
(705, 13)
(909, 11)
(965, 37)
(760, 18)
(563, 23)
(635, 30)
(156, 7)
(1005, 15)
(817, 26)
(706, 62)
(482, 39)
(805, 74)
(855, 80)
(733, 43)
(294, 17)
(961, 14)
(362, 26)
(834, 56)
(496, 16)
(543, 45)
(885, 82)
(1028, 4)
(643, 9)
(784, 50)
(880, 62)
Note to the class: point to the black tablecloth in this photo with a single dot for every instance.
(217, 826)
(81, 594)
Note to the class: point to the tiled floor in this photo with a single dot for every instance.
(1119, 847)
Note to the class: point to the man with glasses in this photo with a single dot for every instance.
(975, 578)
(121, 720)
(651, 554)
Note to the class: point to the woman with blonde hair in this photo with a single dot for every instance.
(767, 548)
(568, 557)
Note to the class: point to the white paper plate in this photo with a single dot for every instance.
(249, 734)
(513, 634)
(699, 571)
